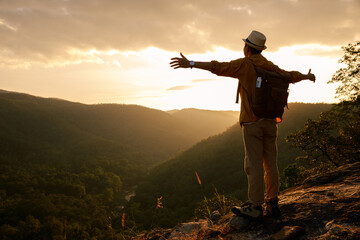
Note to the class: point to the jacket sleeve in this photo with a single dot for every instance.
(295, 75)
(228, 69)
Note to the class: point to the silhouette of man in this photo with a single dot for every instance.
(259, 134)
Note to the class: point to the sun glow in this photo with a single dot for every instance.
(144, 77)
(218, 93)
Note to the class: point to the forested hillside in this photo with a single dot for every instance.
(207, 121)
(65, 167)
(53, 121)
(218, 161)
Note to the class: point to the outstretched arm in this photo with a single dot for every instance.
(310, 76)
(297, 77)
(183, 62)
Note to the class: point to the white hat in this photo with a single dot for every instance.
(256, 40)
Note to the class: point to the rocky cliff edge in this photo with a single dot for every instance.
(326, 206)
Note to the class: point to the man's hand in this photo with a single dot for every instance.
(311, 76)
(182, 62)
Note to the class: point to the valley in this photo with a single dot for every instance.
(65, 163)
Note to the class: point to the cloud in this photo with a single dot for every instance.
(195, 81)
(48, 32)
(176, 88)
(318, 50)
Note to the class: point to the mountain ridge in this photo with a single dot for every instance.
(59, 128)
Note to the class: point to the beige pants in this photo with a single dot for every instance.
(261, 154)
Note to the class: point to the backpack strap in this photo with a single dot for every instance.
(239, 86)
(238, 92)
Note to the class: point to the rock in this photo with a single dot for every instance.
(191, 227)
(211, 233)
(330, 194)
(215, 216)
(289, 232)
(329, 225)
(324, 200)
(341, 230)
(239, 223)
(188, 230)
(336, 176)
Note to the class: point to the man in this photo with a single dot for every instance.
(260, 135)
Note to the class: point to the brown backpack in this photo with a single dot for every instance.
(270, 93)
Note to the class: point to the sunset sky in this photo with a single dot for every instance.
(118, 51)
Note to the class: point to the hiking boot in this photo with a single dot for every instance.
(249, 211)
(272, 209)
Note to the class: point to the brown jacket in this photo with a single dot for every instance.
(243, 70)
